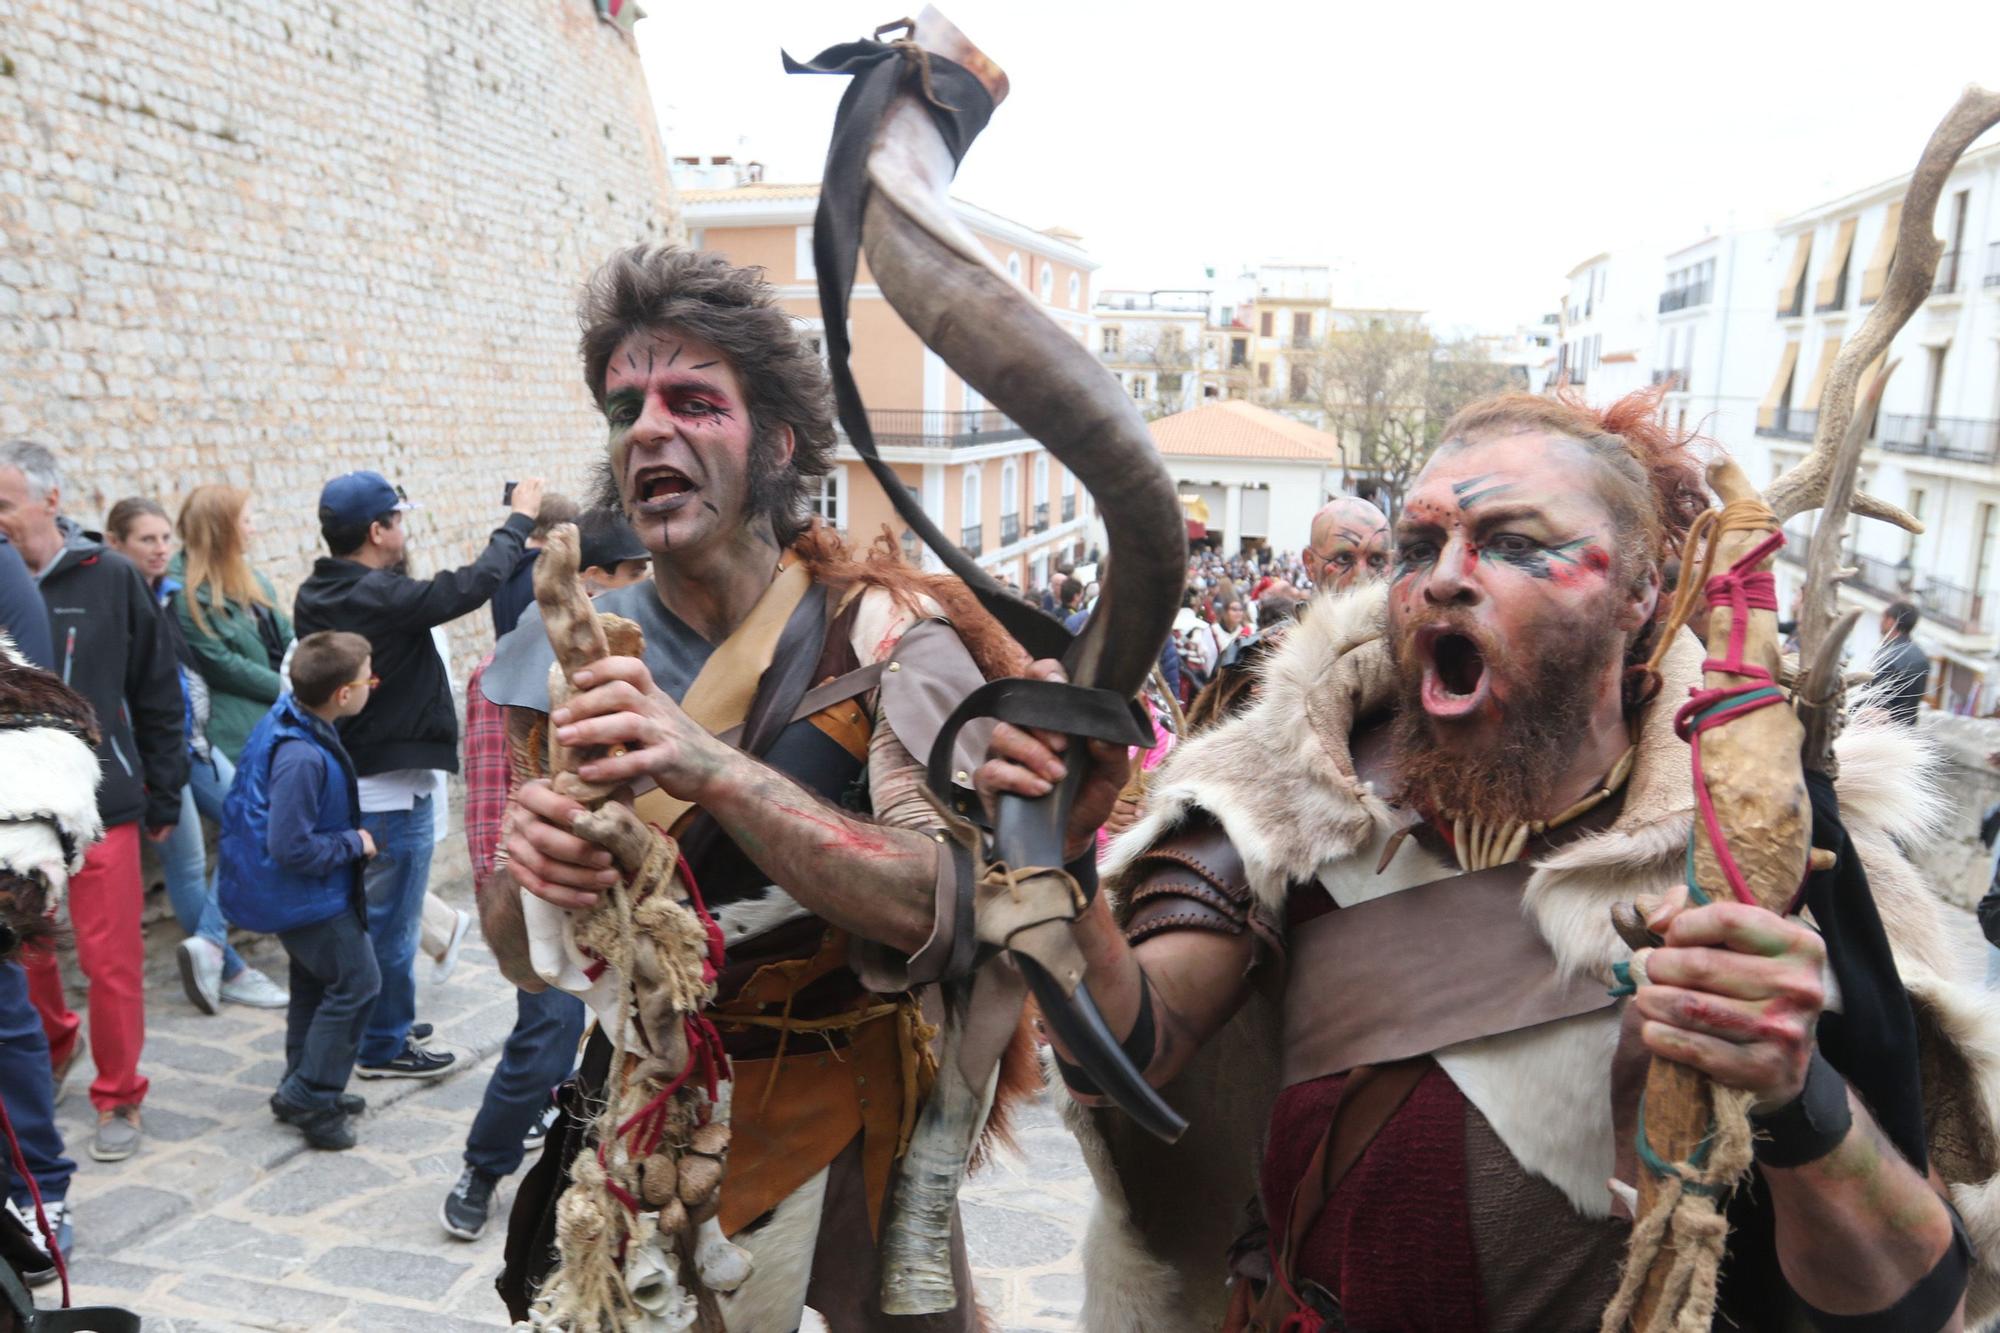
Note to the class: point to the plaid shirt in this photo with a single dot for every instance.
(485, 769)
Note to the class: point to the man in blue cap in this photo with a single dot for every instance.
(409, 729)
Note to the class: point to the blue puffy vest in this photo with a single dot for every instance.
(253, 890)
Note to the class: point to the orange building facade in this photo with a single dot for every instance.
(977, 474)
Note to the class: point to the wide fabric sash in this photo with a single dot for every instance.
(1414, 972)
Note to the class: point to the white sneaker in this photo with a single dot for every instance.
(201, 973)
(255, 990)
(447, 962)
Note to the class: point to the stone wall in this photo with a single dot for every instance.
(264, 243)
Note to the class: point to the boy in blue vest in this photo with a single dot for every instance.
(290, 864)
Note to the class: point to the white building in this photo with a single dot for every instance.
(1152, 341)
(1260, 475)
(1936, 443)
(1608, 314)
(1529, 352)
(1714, 306)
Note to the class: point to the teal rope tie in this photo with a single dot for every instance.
(1660, 1167)
(1626, 986)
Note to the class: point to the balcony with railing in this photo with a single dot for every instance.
(1946, 281)
(1675, 380)
(1042, 516)
(972, 538)
(1992, 278)
(1967, 610)
(1961, 439)
(1010, 528)
(1686, 298)
(912, 428)
(1068, 508)
(1791, 423)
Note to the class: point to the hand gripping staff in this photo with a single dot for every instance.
(1750, 753)
(911, 111)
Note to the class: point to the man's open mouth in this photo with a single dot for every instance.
(1455, 679)
(661, 487)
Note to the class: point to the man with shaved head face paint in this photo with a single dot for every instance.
(772, 727)
(1414, 837)
(1348, 545)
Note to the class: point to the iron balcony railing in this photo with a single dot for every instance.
(1993, 265)
(1069, 508)
(1683, 298)
(1962, 439)
(1947, 273)
(1042, 516)
(1010, 528)
(913, 428)
(1966, 610)
(972, 538)
(1792, 423)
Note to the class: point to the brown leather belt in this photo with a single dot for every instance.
(1414, 972)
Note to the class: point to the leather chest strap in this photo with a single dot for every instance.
(1414, 972)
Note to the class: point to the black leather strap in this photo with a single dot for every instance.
(1049, 705)
(1139, 1045)
(1808, 1127)
(1924, 1308)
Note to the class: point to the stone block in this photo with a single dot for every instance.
(287, 1307)
(318, 1181)
(392, 1272)
(119, 1215)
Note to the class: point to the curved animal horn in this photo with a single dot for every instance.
(1917, 251)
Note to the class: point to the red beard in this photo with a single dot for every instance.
(1541, 698)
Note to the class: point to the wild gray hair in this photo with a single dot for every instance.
(36, 462)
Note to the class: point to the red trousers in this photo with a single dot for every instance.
(104, 902)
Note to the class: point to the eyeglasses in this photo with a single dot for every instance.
(373, 682)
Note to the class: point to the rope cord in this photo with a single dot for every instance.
(35, 1194)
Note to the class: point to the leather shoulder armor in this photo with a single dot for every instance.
(1192, 879)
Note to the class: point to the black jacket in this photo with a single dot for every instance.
(1905, 674)
(409, 723)
(108, 647)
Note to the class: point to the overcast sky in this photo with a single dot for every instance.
(1458, 158)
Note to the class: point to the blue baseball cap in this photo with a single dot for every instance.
(360, 497)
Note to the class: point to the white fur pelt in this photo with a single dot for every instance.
(1280, 779)
(48, 780)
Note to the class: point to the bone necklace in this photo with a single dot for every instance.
(1481, 846)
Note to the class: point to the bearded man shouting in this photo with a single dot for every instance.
(1414, 839)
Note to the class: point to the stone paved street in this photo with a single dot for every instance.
(226, 1222)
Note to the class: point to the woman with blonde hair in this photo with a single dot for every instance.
(229, 613)
(211, 971)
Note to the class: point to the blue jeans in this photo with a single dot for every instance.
(396, 879)
(334, 982)
(537, 1057)
(183, 857)
(30, 1094)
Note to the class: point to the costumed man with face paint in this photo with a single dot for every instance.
(787, 685)
(1348, 542)
(1448, 1142)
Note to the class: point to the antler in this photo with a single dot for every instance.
(1917, 251)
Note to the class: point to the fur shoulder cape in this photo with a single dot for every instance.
(1289, 800)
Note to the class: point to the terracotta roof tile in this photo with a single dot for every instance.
(1236, 429)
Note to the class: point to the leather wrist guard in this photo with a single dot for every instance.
(1139, 1046)
(1808, 1127)
(1925, 1307)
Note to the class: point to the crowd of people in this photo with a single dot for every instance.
(287, 767)
(788, 702)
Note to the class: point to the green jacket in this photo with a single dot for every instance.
(231, 657)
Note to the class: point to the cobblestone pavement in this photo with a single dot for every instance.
(225, 1222)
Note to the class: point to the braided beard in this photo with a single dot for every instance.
(1544, 715)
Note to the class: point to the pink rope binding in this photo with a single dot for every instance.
(1742, 589)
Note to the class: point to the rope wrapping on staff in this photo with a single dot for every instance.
(1686, 1220)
